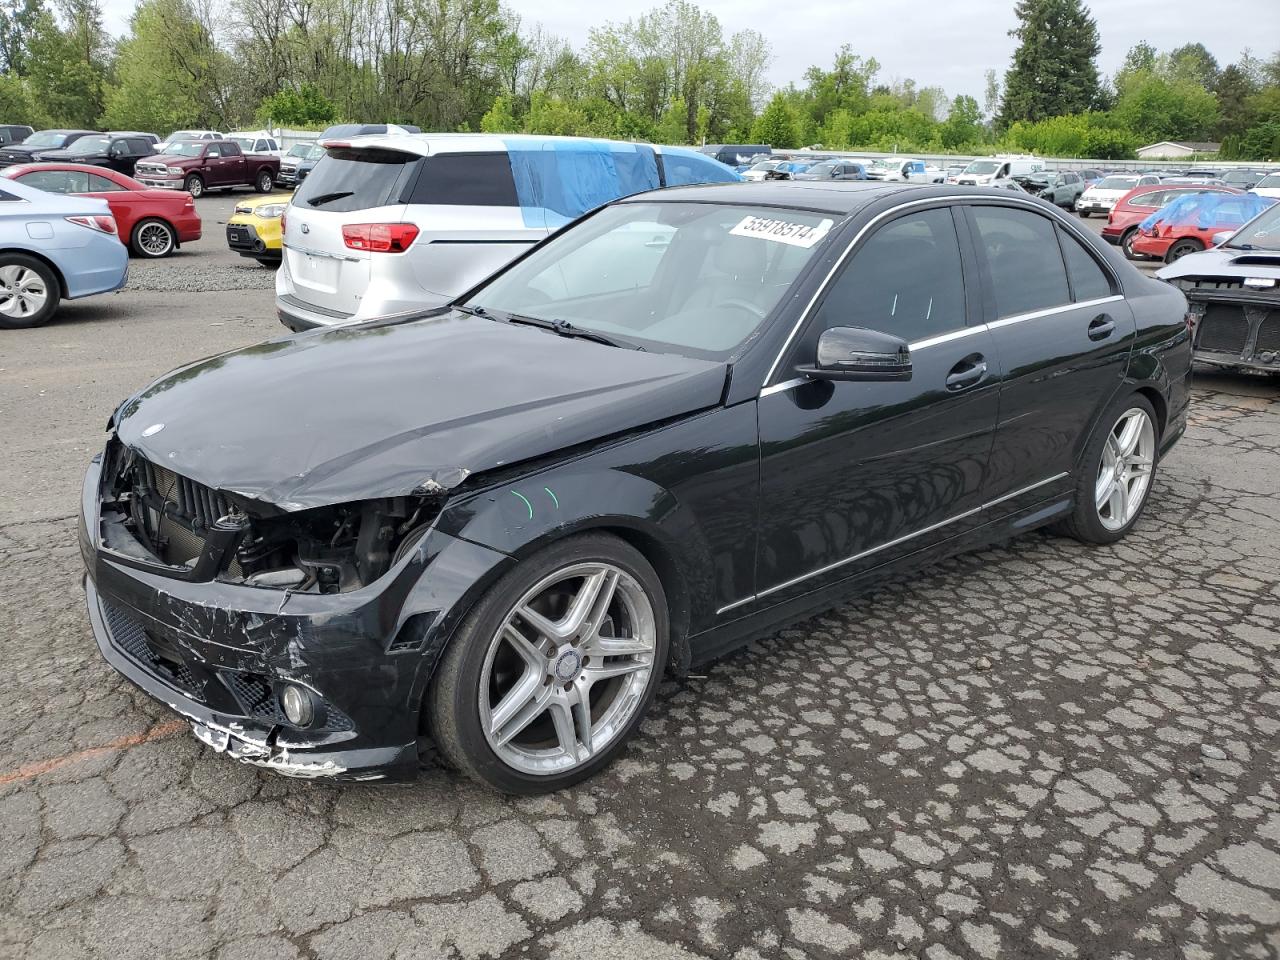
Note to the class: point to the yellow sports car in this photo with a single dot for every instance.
(254, 228)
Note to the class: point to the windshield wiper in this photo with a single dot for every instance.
(326, 197)
(566, 329)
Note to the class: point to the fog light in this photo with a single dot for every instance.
(299, 706)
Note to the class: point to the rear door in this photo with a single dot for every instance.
(1063, 334)
(349, 186)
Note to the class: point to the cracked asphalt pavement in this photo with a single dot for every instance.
(1038, 750)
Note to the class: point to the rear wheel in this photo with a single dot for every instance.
(195, 185)
(29, 291)
(1181, 248)
(265, 182)
(1119, 466)
(153, 238)
(1126, 244)
(1084, 214)
(552, 672)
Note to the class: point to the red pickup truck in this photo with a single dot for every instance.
(199, 165)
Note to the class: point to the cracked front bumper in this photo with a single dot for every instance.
(220, 653)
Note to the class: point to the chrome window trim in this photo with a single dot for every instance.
(962, 332)
(965, 201)
(891, 543)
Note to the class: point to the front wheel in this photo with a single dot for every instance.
(1084, 214)
(29, 291)
(551, 673)
(1119, 466)
(1181, 248)
(153, 239)
(265, 182)
(195, 186)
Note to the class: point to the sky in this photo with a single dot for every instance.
(946, 43)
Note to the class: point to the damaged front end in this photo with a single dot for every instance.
(1235, 320)
(299, 641)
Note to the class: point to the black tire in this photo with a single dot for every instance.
(145, 240)
(1181, 248)
(194, 185)
(52, 287)
(1084, 214)
(453, 707)
(1126, 244)
(1085, 524)
(265, 182)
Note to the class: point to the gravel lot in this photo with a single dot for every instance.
(1040, 750)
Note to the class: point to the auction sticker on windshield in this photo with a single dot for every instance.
(781, 231)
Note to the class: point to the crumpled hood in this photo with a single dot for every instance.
(1224, 262)
(364, 411)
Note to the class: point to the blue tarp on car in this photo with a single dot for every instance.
(558, 180)
(1208, 211)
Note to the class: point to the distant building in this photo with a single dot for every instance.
(1175, 149)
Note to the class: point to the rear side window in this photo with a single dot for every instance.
(99, 184)
(467, 180)
(907, 280)
(1023, 256)
(681, 167)
(1156, 198)
(357, 178)
(1088, 280)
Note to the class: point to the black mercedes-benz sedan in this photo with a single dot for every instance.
(488, 531)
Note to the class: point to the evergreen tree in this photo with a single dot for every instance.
(1055, 67)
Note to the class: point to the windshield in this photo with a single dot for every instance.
(87, 145)
(186, 148)
(983, 167)
(45, 138)
(246, 143)
(1260, 233)
(767, 165)
(182, 135)
(300, 149)
(1270, 180)
(1117, 183)
(696, 279)
(826, 166)
(315, 152)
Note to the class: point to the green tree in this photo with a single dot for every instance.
(18, 20)
(66, 87)
(1054, 68)
(963, 125)
(305, 107)
(500, 118)
(1158, 108)
(1234, 88)
(1193, 61)
(776, 126)
(672, 124)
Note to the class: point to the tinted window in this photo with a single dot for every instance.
(680, 167)
(1024, 259)
(1088, 280)
(1156, 198)
(906, 280)
(466, 179)
(357, 178)
(6, 196)
(99, 184)
(140, 147)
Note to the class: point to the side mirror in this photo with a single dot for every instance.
(855, 353)
(1221, 237)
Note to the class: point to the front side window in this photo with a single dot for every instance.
(1022, 255)
(1156, 198)
(906, 280)
(57, 181)
(696, 279)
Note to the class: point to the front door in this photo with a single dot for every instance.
(856, 473)
(1064, 335)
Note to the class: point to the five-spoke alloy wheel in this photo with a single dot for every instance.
(553, 670)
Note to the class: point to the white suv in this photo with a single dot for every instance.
(393, 223)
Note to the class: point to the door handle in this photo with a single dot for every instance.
(969, 372)
(1101, 327)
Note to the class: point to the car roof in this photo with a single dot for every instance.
(837, 197)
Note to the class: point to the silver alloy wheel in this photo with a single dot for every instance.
(1124, 475)
(155, 239)
(23, 292)
(568, 668)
